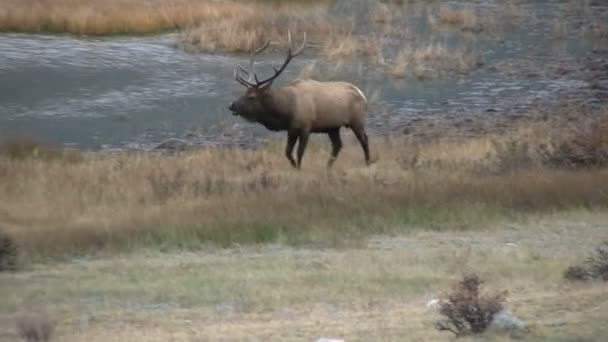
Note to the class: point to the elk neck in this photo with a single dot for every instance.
(278, 105)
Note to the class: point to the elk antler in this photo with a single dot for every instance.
(251, 75)
(290, 56)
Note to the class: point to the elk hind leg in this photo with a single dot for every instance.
(363, 140)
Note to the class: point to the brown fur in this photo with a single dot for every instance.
(303, 107)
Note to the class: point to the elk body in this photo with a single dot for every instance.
(302, 107)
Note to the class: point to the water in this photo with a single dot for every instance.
(134, 92)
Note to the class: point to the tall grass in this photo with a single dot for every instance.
(255, 25)
(118, 16)
(56, 207)
(466, 19)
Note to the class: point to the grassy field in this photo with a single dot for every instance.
(57, 203)
(375, 291)
(235, 244)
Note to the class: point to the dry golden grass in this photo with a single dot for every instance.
(55, 206)
(256, 24)
(118, 16)
(466, 19)
(334, 39)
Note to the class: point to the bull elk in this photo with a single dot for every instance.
(301, 107)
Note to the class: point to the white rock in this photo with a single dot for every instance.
(434, 304)
(505, 320)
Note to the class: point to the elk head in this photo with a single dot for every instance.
(250, 105)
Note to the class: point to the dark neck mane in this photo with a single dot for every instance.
(278, 104)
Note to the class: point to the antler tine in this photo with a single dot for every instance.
(251, 72)
(263, 47)
(290, 46)
(301, 48)
(290, 56)
(241, 80)
(243, 70)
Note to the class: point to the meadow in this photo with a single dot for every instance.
(62, 202)
(233, 244)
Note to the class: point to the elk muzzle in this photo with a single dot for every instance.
(232, 108)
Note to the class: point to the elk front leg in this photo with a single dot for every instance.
(336, 144)
(304, 134)
(292, 137)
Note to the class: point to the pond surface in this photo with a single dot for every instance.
(135, 92)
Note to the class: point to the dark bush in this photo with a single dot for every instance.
(35, 327)
(25, 148)
(597, 262)
(466, 310)
(576, 273)
(594, 267)
(8, 253)
(584, 145)
(512, 155)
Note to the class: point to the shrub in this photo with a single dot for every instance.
(35, 327)
(580, 146)
(576, 273)
(597, 262)
(594, 267)
(467, 311)
(8, 253)
(512, 155)
(25, 148)
(22, 148)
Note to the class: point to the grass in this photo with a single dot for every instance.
(466, 19)
(254, 25)
(376, 291)
(56, 207)
(119, 16)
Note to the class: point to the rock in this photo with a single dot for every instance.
(173, 145)
(434, 304)
(323, 339)
(505, 320)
